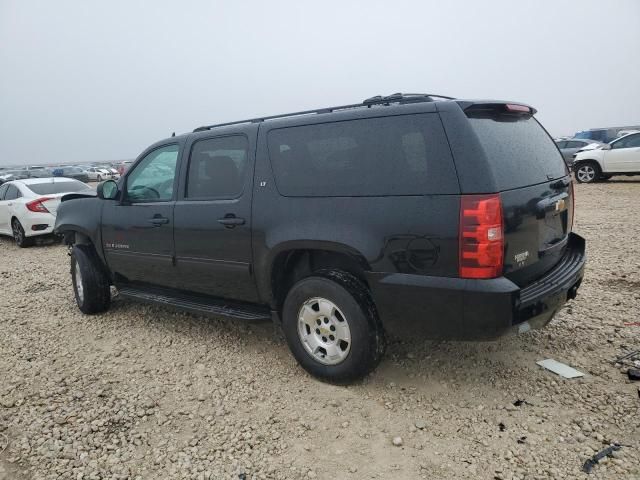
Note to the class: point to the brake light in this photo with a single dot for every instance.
(481, 236)
(37, 206)
(514, 107)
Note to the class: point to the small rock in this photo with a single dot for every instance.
(420, 424)
(397, 441)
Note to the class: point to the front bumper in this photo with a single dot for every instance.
(466, 309)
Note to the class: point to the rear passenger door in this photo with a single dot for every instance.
(213, 216)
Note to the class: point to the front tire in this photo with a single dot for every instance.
(588, 172)
(19, 236)
(90, 283)
(332, 326)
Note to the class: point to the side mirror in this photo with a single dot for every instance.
(107, 190)
(606, 146)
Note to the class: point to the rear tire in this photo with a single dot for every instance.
(90, 283)
(19, 236)
(588, 172)
(332, 326)
(99, 178)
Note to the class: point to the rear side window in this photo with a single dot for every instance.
(217, 167)
(397, 155)
(12, 193)
(519, 150)
(3, 190)
(57, 187)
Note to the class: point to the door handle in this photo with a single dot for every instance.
(157, 221)
(230, 221)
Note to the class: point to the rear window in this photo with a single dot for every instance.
(398, 155)
(57, 187)
(519, 149)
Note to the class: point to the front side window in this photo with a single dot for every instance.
(631, 141)
(152, 179)
(217, 167)
(3, 190)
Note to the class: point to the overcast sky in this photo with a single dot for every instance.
(93, 81)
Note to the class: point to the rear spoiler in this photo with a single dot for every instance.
(497, 106)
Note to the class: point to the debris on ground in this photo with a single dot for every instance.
(560, 368)
(502, 427)
(522, 440)
(593, 461)
(519, 402)
(629, 359)
(633, 374)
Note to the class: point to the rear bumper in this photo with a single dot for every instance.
(465, 309)
(38, 224)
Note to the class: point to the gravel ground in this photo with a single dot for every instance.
(146, 393)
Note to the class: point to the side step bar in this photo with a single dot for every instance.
(197, 304)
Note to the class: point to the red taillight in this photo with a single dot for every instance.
(514, 107)
(481, 236)
(37, 206)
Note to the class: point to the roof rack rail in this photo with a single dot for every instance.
(401, 98)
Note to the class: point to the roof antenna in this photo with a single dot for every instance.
(173, 134)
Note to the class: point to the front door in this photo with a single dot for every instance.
(624, 155)
(213, 217)
(137, 229)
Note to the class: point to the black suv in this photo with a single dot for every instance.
(414, 213)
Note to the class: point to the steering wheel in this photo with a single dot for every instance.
(141, 188)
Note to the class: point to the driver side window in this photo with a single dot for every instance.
(152, 179)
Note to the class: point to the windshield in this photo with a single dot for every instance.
(58, 187)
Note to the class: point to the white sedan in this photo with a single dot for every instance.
(28, 207)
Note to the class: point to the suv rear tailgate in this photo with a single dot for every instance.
(534, 185)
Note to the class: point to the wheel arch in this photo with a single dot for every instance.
(293, 261)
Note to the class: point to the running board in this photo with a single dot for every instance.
(197, 304)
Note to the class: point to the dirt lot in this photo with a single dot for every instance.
(146, 393)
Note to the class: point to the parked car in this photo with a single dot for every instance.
(28, 207)
(568, 148)
(113, 173)
(620, 157)
(622, 133)
(76, 173)
(98, 174)
(8, 175)
(123, 167)
(603, 135)
(451, 218)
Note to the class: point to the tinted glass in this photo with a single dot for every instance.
(57, 187)
(12, 193)
(3, 190)
(217, 167)
(561, 144)
(397, 155)
(152, 179)
(519, 149)
(575, 145)
(634, 141)
(627, 142)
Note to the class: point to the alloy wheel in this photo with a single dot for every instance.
(324, 331)
(586, 173)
